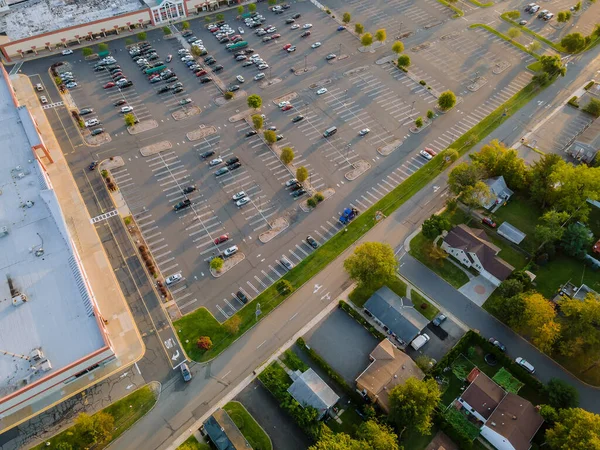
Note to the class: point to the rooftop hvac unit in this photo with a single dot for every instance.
(3, 231)
(46, 366)
(36, 354)
(19, 299)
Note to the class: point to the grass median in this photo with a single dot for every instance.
(506, 38)
(458, 12)
(526, 30)
(252, 431)
(481, 5)
(202, 323)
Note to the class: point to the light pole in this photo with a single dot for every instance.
(340, 52)
(305, 56)
(412, 108)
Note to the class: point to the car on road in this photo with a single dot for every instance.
(241, 30)
(299, 193)
(189, 189)
(312, 241)
(259, 76)
(221, 171)
(425, 155)
(67, 52)
(215, 162)
(291, 49)
(251, 133)
(305, 34)
(233, 88)
(489, 222)
(185, 372)
(330, 57)
(247, 63)
(242, 297)
(279, 137)
(341, 28)
(522, 22)
(276, 36)
(185, 101)
(221, 239)
(497, 343)
(263, 66)
(93, 165)
(126, 109)
(97, 131)
(298, 118)
(438, 320)
(242, 201)
(207, 154)
(316, 45)
(238, 195)
(364, 132)
(240, 78)
(287, 108)
(525, 364)
(177, 90)
(321, 91)
(430, 151)
(182, 205)
(295, 26)
(306, 26)
(173, 279)
(85, 111)
(286, 46)
(230, 251)
(43, 99)
(267, 38)
(272, 128)
(296, 16)
(290, 20)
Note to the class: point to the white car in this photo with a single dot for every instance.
(306, 26)
(43, 99)
(425, 155)
(183, 51)
(39, 87)
(238, 196)
(126, 109)
(316, 45)
(242, 201)
(263, 66)
(230, 251)
(67, 52)
(321, 91)
(173, 279)
(364, 132)
(241, 30)
(295, 26)
(282, 104)
(91, 123)
(240, 78)
(259, 76)
(215, 162)
(71, 85)
(288, 183)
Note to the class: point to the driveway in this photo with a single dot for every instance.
(476, 318)
(343, 343)
(478, 290)
(436, 348)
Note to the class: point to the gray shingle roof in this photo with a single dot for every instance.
(310, 390)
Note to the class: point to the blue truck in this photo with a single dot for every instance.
(348, 215)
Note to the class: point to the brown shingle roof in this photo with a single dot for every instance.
(483, 395)
(517, 420)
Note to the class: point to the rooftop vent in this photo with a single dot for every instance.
(17, 298)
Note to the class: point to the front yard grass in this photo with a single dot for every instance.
(418, 300)
(192, 443)
(350, 421)
(361, 294)
(252, 431)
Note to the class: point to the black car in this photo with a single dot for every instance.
(153, 58)
(97, 131)
(207, 154)
(189, 189)
(231, 161)
(187, 33)
(206, 80)
(295, 186)
(162, 89)
(84, 111)
(251, 133)
(305, 34)
(120, 102)
(235, 166)
(298, 118)
(242, 52)
(296, 16)
(249, 51)
(233, 88)
(182, 205)
(98, 68)
(93, 165)
(211, 62)
(298, 193)
(312, 242)
(217, 68)
(224, 39)
(126, 85)
(178, 90)
(290, 20)
(208, 58)
(242, 297)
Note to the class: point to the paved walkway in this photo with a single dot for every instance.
(125, 339)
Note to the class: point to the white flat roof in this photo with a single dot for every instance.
(55, 318)
(35, 17)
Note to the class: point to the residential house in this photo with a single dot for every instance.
(573, 291)
(472, 248)
(500, 193)
(397, 315)
(389, 367)
(507, 421)
(309, 389)
(224, 433)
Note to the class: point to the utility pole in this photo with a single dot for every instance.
(340, 52)
(305, 56)
(411, 109)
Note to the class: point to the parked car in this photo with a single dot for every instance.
(430, 151)
(230, 251)
(85, 111)
(97, 131)
(425, 155)
(242, 201)
(364, 132)
(305, 34)
(312, 241)
(232, 161)
(221, 171)
(207, 154)
(298, 118)
(173, 279)
(251, 133)
(299, 193)
(489, 222)
(215, 162)
(234, 166)
(321, 91)
(182, 205)
(330, 57)
(189, 189)
(119, 102)
(438, 320)
(221, 239)
(91, 123)
(259, 76)
(525, 364)
(497, 343)
(185, 101)
(242, 297)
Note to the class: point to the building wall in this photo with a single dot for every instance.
(61, 38)
(459, 254)
(497, 440)
(471, 409)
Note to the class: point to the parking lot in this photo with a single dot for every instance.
(359, 95)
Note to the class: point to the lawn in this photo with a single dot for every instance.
(293, 362)
(505, 379)
(419, 248)
(419, 301)
(509, 254)
(192, 443)
(411, 440)
(561, 269)
(453, 390)
(522, 214)
(361, 294)
(350, 421)
(460, 422)
(125, 413)
(252, 431)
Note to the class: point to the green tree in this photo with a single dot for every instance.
(562, 394)
(561, 17)
(476, 196)
(284, 287)
(593, 107)
(346, 18)
(141, 36)
(450, 155)
(96, 429)
(359, 28)
(378, 436)
(419, 122)
(465, 175)
(413, 403)
(573, 185)
(254, 101)
(232, 325)
(551, 229)
(366, 40)
(580, 331)
(577, 7)
(129, 120)
(576, 240)
(513, 33)
(338, 441)
(434, 226)
(371, 262)
(380, 35)
(397, 47)
(511, 311)
(575, 429)
(257, 121)
(185, 25)
(513, 15)
(568, 15)
(216, 264)
(220, 17)
(270, 137)
(252, 7)
(510, 288)
(552, 65)
(430, 114)
(228, 95)
(166, 31)
(534, 46)
(539, 321)
(87, 51)
(240, 9)
(446, 100)
(404, 61)
(301, 174)
(102, 47)
(287, 155)
(573, 42)
(498, 160)
(541, 78)
(542, 188)
(196, 51)
(549, 414)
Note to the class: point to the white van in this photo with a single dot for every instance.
(525, 364)
(420, 341)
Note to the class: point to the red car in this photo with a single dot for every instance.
(110, 84)
(489, 222)
(276, 36)
(202, 72)
(287, 108)
(221, 239)
(430, 151)
(286, 46)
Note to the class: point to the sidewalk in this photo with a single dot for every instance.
(124, 336)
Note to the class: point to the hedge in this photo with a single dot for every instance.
(573, 101)
(588, 86)
(360, 319)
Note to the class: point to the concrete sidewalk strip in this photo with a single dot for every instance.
(200, 133)
(155, 148)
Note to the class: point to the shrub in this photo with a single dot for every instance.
(573, 101)
(593, 107)
(311, 202)
(422, 82)
(319, 197)
(204, 343)
(216, 264)
(419, 122)
(167, 31)
(284, 287)
(328, 11)
(228, 95)
(86, 52)
(589, 85)
(446, 100)
(127, 221)
(104, 173)
(430, 114)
